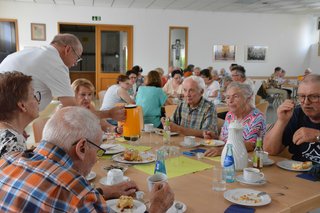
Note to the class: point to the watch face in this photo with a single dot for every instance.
(318, 138)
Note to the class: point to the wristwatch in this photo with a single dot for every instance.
(318, 138)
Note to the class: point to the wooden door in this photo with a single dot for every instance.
(114, 52)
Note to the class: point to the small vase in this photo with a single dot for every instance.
(235, 138)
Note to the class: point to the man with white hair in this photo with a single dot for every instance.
(194, 114)
(52, 177)
(298, 127)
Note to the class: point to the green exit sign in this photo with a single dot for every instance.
(96, 18)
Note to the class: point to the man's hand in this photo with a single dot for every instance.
(162, 198)
(285, 111)
(117, 113)
(305, 134)
(208, 135)
(115, 191)
(216, 151)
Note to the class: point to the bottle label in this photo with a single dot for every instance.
(160, 167)
(228, 161)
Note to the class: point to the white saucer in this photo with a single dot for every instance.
(268, 162)
(173, 209)
(104, 181)
(92, 175)
(240, 179)
(188, 145)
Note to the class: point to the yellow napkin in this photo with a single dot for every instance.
(121, 139)
(176, 166)
(139, 148)
(217, 158)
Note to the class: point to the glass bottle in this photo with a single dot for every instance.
(257, 160)
(160, 166)
(166, 131)
(228, 165)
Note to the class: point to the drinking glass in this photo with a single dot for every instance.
(218, 181)
(149, 128)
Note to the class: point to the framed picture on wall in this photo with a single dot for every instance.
(256, 53)
(38, 32)
(224, 52)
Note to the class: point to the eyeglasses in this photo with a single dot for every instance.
(100, 151)
(37, 96)
(78, 56)
(311, 98)
(228, 97)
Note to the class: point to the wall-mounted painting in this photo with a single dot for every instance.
(38, 32)
(256, 53)
(224, 52)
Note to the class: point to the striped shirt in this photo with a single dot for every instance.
(202, 117)
(254, 125)
(44, 181)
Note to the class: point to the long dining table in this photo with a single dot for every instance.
(288, 193)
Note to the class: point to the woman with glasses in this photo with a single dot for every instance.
(19, 105)
(84, 92)
(238, 97)
(173, 87)
(132, 79)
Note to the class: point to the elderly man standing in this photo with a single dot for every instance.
(52, 177)
(194, 114)
(298, 127)
(49, 67)
(238, 73)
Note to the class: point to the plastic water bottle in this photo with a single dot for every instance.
(160, 163)
(166, 132)
(228, 165)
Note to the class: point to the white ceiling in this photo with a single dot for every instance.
(311, 7)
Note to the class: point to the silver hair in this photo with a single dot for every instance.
(198, 80)
(70, 124)
(214, 73)
(67, 39)
(245, 89)
(311, 78)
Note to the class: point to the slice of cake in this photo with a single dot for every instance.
(125, 202)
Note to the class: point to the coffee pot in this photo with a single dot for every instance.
(131, 126)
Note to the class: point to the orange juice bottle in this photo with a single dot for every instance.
(131, 126)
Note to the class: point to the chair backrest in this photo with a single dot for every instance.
(101, 95)
(263, 107)
(37, 127)
(170, 109)
(258, 99)
(220, 124)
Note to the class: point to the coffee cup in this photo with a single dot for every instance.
(156, 178)
(114, 176)
(189, 140)
(265, 157)
(252, 175)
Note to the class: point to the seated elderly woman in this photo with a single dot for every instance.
(212, 86)
(117, 93)
(84, 92)
(19, 105)
(173, 87)
(238, 97)
(151, 98)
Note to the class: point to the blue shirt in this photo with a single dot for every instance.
(151, 99)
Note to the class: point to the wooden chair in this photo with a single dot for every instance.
(101, 95)
(37, 127)
(170, 109)
(220, 124)
(263, 107)
(258, 99)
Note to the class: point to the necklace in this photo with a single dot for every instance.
(10, 126)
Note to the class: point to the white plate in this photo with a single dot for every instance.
(160, 132)
(146, 158)
(189, 146)
(269, 162)
(104, 180)
(240, 179)
(287, 164)
(234, 195)
(212, 143)
(173, 209)
(138, 207)
(115, 148)
(92, 175)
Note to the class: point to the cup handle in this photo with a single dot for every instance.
(261, 175)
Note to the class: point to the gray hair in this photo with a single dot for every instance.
(67, 39)
(200, 82)
(70, 124)
(245, 89)
(214, 73)
(311, 78)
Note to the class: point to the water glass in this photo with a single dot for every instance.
(218, 181)
(149, 128)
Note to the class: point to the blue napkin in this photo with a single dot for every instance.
(307, 176)
(235, 208)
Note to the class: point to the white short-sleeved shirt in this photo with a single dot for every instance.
(111, 98)
(50, 75)
(214, 86)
